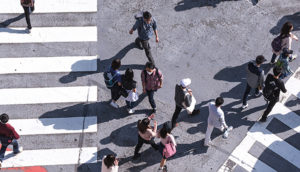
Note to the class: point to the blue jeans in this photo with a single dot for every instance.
(5, 142)
(150, 94)
(129, 105)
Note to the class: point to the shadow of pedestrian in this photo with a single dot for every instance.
(189, 4)
(10, 30)
(80, 71)
(12, 20)
(105, 64)
(293, 18)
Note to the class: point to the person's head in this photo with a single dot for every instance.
(109, 160)
(144, 125)
(116, 64)
(129, 74)
(260, 59)
(277, 71)
(219, 101)
(149, 67)
(147, 17)
(286, 52)
(287, 28)
(164, 131)
(4, 118)
(185, 82)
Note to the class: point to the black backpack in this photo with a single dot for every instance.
(269, 91)
(109, 79)
(156, 73)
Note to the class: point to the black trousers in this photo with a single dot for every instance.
(175, 115)
(145, 44)
(115, 92)
(247, 91)
(271, 104)
(27, 15)
(141, 141)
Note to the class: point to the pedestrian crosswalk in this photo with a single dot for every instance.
(74, 52)
(271, 145)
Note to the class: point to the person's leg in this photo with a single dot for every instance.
(209, 130)
(146, 46)
(246, 93)
(175, 115)
(26, 11)
(153, 144)
(138, 43)
(273, 58)
(115, 93)
(128, 104)
(162, 163)
(15, 146)
(138, 146)
(4, 144)
(269, 109)
(150, 94)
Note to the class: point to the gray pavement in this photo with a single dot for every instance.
(208, 41)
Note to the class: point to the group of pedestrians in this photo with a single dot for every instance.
(152, 80)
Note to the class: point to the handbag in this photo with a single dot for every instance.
(132, 96)
(191, 108)
(169, 149)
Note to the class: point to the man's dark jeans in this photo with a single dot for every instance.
(141, 141)
(175, 115)
(27, 13)
(115, 92)
(271, 104)
(145, 44)
(150, 94)
(5, 142)
(247, 91)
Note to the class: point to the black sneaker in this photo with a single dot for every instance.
(165, 169)
(154, 110)
(136, 156)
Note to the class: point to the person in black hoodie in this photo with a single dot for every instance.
(273, 86)
(183, 99)
(130, 86)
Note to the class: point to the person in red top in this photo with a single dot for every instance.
(8, 136)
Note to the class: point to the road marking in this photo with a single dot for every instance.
(48, 95)
(44, 157)
(51, 6)
(54, 125)
(49, 34)
(292, 86)
(48, 64)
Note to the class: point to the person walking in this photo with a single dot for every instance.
(283, 62)
(216, 119)
(284, 40)
(110, 163)
(145, 26)
(273, 86)
(152, 80)
(184, 99)
(255, 78)
(166, 140)
(115, 80)
(146, 133)
(130, 86)
(8, 136)
(28, 6)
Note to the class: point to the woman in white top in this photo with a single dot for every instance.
(287, 37)
(165, 137)
(110, 164)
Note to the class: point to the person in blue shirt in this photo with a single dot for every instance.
(145, 26)
(283, 62)
(115, 90)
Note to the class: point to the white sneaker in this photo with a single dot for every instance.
(259, 93)
(294, 56)
(208, 144)
(245, 106)
(131, 111)
(113, 104)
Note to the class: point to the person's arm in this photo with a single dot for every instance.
(222, 120)
(261, 80)
(155, 30)
(134, 27)
(173, 140)
(161, 78)
(143, 81)
(282, 87)
(14, 134)
(294, 37)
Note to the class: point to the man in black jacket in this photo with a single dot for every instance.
(273, 86)
(183, 99)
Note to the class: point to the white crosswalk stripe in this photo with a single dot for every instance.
(52, 6)
(60, 126)
(259, 133)
(48, 34)
(50, 157)
(48, 64)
